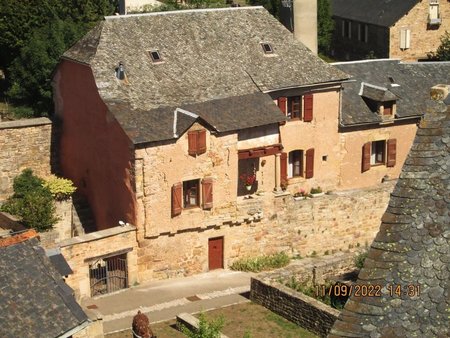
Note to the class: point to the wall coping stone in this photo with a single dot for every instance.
(93, 236)
(25, 123)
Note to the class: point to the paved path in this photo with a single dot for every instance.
(163, 300)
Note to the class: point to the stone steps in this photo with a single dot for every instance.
(83, 218)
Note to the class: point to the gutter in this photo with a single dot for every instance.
(377, 123)
(337, 82)
(80, 327)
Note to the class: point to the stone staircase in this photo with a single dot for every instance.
(83, 218)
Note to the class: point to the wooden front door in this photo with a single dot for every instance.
(215, 253)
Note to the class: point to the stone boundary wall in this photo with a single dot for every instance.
(316, 269)
(80, 251)
(24, 144)
(294, 306)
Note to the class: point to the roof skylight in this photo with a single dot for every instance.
(267, 47)
(155, 55)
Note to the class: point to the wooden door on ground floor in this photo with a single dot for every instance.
(215, 253)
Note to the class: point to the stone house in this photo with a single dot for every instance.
(160, 129)
(407, 267)
(380, 110)
(405, 29)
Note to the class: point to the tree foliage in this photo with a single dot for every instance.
(443, 51)
(325, 26)
(32, 202)
(35, 33)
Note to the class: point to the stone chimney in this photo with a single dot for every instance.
(305, 23)
(440, 92)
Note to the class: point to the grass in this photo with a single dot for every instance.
(261, 263)
(241, 320)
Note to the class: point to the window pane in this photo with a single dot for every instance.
(190, 193)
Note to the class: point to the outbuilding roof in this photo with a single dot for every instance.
(407, 83)
(377, 12)
(207, 57)
(34, 300)
(410, 257)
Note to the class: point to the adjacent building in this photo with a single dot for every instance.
(405, 29)
(408, 263)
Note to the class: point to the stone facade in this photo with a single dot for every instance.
(24, 144)
(294, 306)
(83, 250)
(267, 224)
(424, 38)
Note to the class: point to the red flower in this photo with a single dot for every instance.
(248, 179)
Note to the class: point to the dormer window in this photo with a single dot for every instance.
(434, 18)
(155, 56)
(267, 48)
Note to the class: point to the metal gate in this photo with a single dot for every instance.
(108, 275)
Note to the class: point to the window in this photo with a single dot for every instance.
(347, 29)
(388, 108)
(433, 17)
(378, 153)
(297, 107)
(294, 107)
(363, 32)
(405, 38)
(186, 195)
(155, 56)
(267, 48)
(191, 194)
(295, 168)
(197, 142)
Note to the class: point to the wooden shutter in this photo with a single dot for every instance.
(176, 199)
(282, 104)
(201, 142)
(207, 193)
(309, 163)
(366, 150)
(283, 167)
(308, 114)
(391, 152)
(192, 142)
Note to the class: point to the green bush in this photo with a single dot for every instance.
(32, 202)
(261, 263)
(60, 188)
(360, 258)
(206, 328)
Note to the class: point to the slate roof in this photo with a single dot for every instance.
(414, 80)
(377, 12)
(34, 300)
(412, 246)
(209, 56)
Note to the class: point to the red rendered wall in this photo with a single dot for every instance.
(94, 151)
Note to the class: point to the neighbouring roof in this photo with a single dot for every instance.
(412, 246)
(377, 12)
(208, 57)
(34, 300)
(410, 83)
(9, 223)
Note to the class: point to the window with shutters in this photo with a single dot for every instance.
(379, 153)
(191, 196)
(347, 29)
(295, 168)
(197, 142)
(297, 107)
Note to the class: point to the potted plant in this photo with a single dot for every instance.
(248, 180)
(300, 194)
(316, 192)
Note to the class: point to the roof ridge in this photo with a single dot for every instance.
(182, 11)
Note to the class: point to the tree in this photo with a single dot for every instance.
(443, 51)
(35, 33)
(272, 6)
(325, 26)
